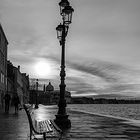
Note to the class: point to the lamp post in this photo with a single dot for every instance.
(62, 29)
(36, 103)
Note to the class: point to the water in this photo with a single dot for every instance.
(128, 111)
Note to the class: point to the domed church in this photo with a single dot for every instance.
(51, 96)
(49, 87)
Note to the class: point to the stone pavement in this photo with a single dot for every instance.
(13, 126)
(85, 126)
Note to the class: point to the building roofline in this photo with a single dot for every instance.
(3, 33)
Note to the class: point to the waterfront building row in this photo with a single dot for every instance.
(3, 63)
(12, 81)
(17, 83)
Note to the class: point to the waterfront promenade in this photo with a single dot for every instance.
(84, 126)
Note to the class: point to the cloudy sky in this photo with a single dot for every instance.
(102, 46)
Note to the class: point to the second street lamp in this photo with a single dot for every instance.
(36, 104)
(62, 31)
(66, 12)
(59, 30)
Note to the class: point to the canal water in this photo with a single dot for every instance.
(128, 111)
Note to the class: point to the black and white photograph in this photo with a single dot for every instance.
(69, 69)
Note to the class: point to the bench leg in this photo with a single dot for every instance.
(30, 134)
(44, 136)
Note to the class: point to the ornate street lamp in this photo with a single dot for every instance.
(62, 5)
(67, 15)
(62, 29)
(59, 30)
(36, 103)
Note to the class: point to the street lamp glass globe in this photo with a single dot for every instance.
(67, 14)
(59, 30)
(62, 5)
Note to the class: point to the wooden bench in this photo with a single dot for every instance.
(41, 129)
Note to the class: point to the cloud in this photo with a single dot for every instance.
(95, 69)
(112, 79)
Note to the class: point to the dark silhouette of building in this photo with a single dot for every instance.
(3, 64)
(90, 100)
(49, 87)
(48, 95)
(17, 83)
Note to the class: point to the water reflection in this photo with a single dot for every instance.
(42, 113)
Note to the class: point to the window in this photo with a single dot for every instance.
(0, 39)
(2, 78)
(1, 58)
(6, 81)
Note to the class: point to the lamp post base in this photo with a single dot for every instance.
(62, 121)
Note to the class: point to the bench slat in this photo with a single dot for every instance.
(42, 127)
(45, 126)
(48, 125)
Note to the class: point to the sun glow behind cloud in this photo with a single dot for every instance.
(42, 68)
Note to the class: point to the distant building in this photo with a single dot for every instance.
(10, 78)
(49, 87)
(25, 88)
(3, 63)
(17, 83)
(54, 99)
(48, 95)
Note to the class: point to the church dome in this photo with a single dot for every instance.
(49, 87)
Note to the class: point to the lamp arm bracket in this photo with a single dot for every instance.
(67, 28)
